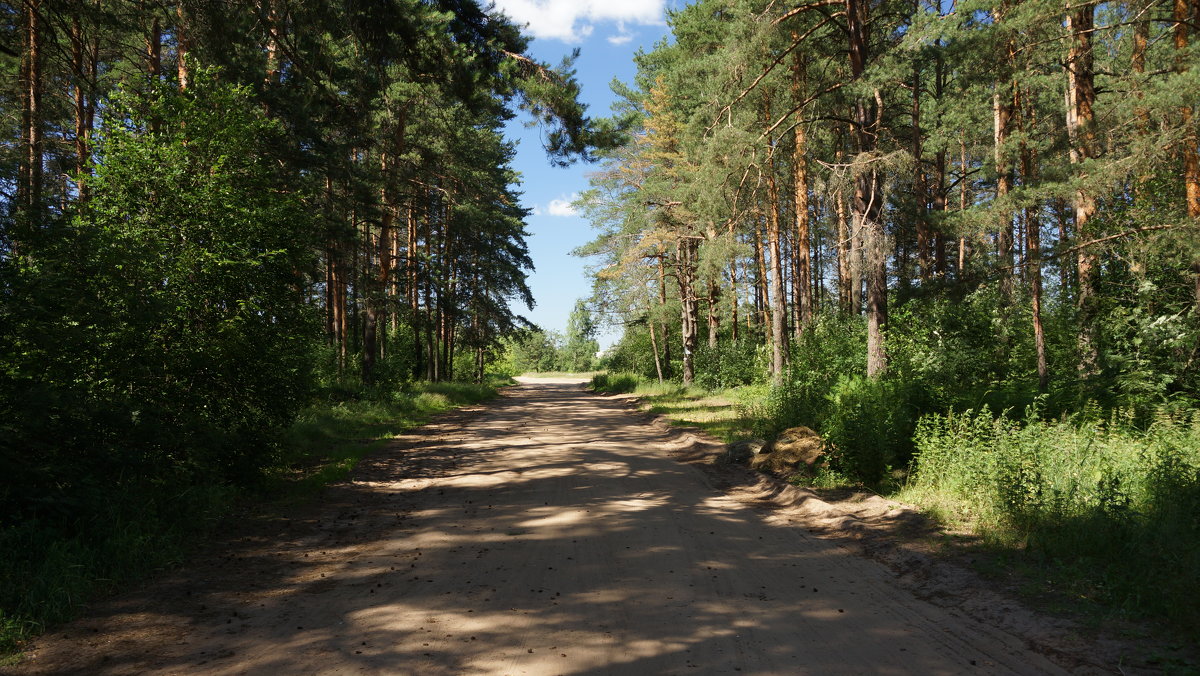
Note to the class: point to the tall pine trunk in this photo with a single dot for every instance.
(803, 250)
(1081, 98)
(1190, 147)
(777, 300)
(868, 192)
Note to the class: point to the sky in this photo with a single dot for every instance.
(608, 34)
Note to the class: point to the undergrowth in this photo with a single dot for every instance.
(47, 572)
(1105, 511)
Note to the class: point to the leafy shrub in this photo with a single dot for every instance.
(868, 427)
(729, 364)
(831, 348)
(633, 354)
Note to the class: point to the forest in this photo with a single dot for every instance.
(958, 240)
(217, 216)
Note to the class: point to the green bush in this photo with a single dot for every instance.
(831, 348)
(868, 427)
(729, 364)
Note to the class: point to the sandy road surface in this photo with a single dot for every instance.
(549, 532)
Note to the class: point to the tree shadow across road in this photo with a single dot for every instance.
(549, 532)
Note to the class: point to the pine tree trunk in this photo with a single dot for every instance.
(868, 192)
(803, 253)
(274, 28)
(685, 272)
(33, 114)
(714, 318)
(654, 346)
(1033, 248)
(803, 248)
(84, 67)
(1081, 97)
(662, 301)
(920, 185)
(845, 280)
(761, 307)
(1190, 147)
(1034, 270)
(734, 296)
(182, 48)
(940, 205)
(1002, 114)
(777, 301)
(962, 206)
(154, 48)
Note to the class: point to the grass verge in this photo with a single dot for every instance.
(1100, 517)
(1093, 519)
(717, 412)
(131, 531)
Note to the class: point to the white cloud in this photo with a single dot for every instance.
(620, 38)
(562, 206)
(573, 20)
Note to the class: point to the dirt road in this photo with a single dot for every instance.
(549, 532)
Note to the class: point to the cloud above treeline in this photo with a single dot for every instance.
(573, 21)
(562, 206)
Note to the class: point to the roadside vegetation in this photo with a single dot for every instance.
(1093, 512)
(237, 243)
(961, 246)
(48, 570)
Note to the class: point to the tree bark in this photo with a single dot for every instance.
(1002, 110)
(1081, 97)
(1190, 147)
(83, 62)
(182, 48)
(654, 345)
(685, 274)
(920, 185)
(1033, 255)
(662, 300)
(778, 302)
(274, 26)
(33, 115)
(868, 189)
(761, 307)
(803, 248)
(962, 206)
(714, 317)
(843, 253)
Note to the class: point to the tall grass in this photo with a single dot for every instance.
(1112, 510)
(616, 383)
(125, 532)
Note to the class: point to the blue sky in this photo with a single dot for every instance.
(608, 34)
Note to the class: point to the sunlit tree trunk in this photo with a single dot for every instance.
(1189, 148)
(843, 252)
(803, 254)
(777, 300)
(30, 172)
(1081, 97)
(1002, 109)
(182, 47)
